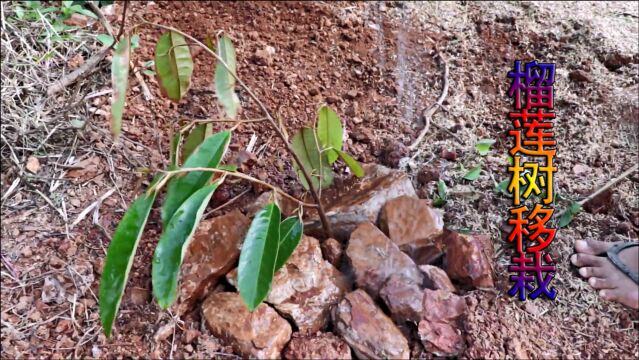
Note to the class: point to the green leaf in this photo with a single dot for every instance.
(330, 132)
(135, 41)
(473, 174)
(502, 187)
(569, 214)
(224, 79)
(195, 138)
(208, 154)
(120, 82)
(305, 146)
(119, 259)
(355, 167)
(442, 194)
(173, 244)
(85, 12)
(442, 190)
(290, 235)
(105, 39)
(174, 151)
(483, 146)
(173, 65)
(258, 256)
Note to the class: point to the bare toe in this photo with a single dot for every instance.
(592, 247)
(625, 296)
(586, 260)
(600, 283)
(588, 272)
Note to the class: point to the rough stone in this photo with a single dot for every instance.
(213, 251)
(369, 332)
(413, 225)
(580, 76)
(436, 278)
(614, 61)
(332, 251)
(307, 287)
(440, 339)
(404, 299)
(259, 334)
(374, 258)
(438, 330)
(442, 306)
(318, 346)
(358, 201)
(468, 259)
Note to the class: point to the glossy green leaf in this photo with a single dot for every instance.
(442, 194)
(330, 132)
(208, 154)
(173, 243)
(224, 79)
(119, 259)
(290, 235)
(352, 164)
(483, 146)
(174, 151)
(305, 146)
(258, 256)
(195, 138)
(569, 214)
(473, 174)
(120, 82)
(173, 65)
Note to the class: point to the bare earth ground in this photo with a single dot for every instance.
(374, 63)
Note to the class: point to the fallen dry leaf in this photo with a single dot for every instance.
(85, 169)
(33, 164)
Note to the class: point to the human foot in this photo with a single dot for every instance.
(603, 275)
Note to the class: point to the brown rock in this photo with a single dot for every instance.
(468, 259)
(403, 298)
(358, 201)
(306, 287)
(449, 155)
(411, 223)
(363, 135)
(261, 334)
(440, 339)
(262, 58)
(615, 60)
(351, 94)
(442, 306)
(436, 278)
(139, 296)
(213, 251)
(369, 332)
(374, 258)
(580, 76)
(313, 91)
(332, 251)
(319, 346)
(393, 153)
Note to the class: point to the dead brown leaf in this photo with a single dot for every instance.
(33, 164)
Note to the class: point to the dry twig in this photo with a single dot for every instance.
(429, 112)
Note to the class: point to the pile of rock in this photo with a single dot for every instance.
(399, 260)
